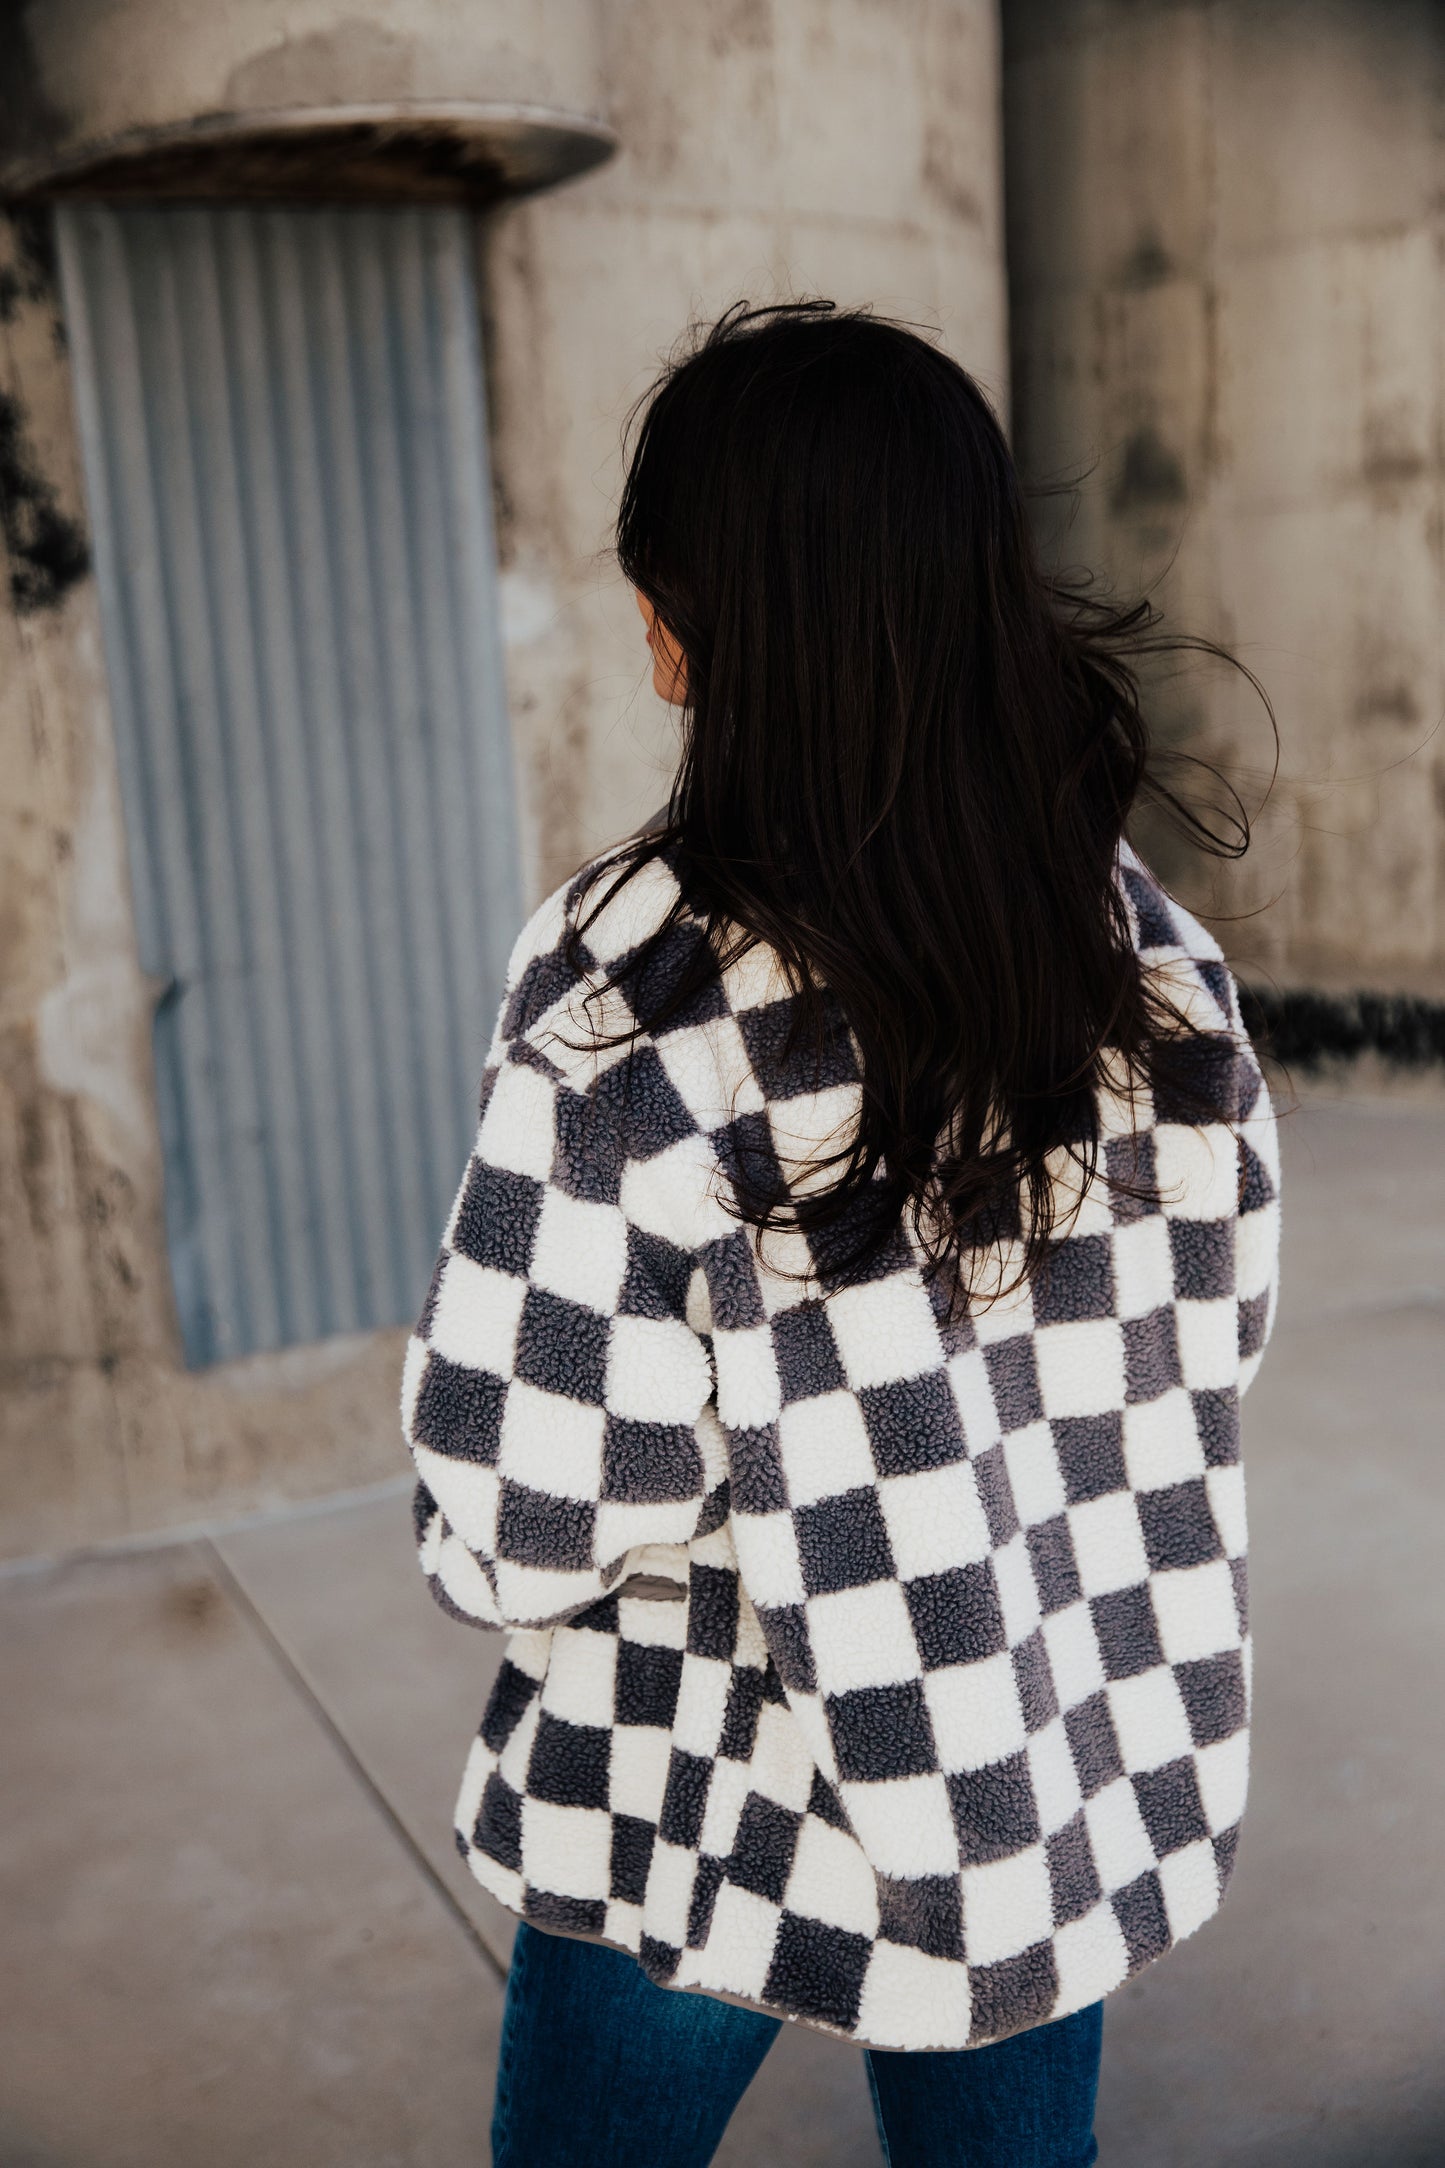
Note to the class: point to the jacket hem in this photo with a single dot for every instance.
(477, 1861)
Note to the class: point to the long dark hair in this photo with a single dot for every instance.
(908, 757)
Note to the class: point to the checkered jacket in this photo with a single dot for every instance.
(943, 1732)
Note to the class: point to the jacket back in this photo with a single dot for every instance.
(878, 1668)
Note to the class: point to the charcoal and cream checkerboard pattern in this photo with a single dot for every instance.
(945, 1732)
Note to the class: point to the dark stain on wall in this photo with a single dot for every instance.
(46, 550)
(941, 178)
(1304, 1029)
(1149, 263)
(28, 119)
(1149, 475)
(32, 273)
(1390, 459)
(1388, 703)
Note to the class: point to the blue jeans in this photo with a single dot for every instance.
(599, 2068)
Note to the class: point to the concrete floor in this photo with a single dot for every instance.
(233, 1929)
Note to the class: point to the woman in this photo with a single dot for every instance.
(831, 1375)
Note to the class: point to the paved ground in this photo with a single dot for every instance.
(233, 1930)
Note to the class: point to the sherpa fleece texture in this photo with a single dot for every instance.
(945, 1734)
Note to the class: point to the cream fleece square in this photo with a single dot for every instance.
(670, 1876)
(654, 1622)
(1224, 1780)
(1143, 1265)
(467, 1495)
(768, 1555)
(551, 1442)
(913, 2000)
(627, 917)
(463, 1582)
(808, 1131)
(413, 1370)
(657, 1371)
(638, 1774)
(976, 1713)
(1008, 1315)
(708, 1064)
(1208, 1343)
(1007, 1906)
(1090, 1956)
(782, 1767)
(580, 1251)
(538, 1595)
(674, 1195)
(622, 1925)
(1194, 1607)
(1197, 1170)
(862, 1637)
(1108, 1543)
(977, 1409)
(935, 1520)
(1190, 1880)
(1034, 1476)
(1018, 1592)
(571, 1845)
(517, 1131)
(581, 1678)
(740, 1942)
(475, 1318)
(1149, 1720)
(905, 1825)
(1074, 1657)
(1117, 1836)
(825, 1447)
(1055, 1778)
(701, 1704)
(1225, 1489)
(748, 1393)
(1161, 1442)
(1081, 1367)
(831, 1880)
(885, 1330)
(786, 1273)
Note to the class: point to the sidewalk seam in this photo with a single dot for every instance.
(285, 1663)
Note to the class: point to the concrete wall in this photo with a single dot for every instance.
(843, 147)
(817, 145)
(1225, 249)
(265, 94)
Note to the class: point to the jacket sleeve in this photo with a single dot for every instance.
(556, 1398)
(1257, 1235)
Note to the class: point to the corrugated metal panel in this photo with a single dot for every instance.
(283, 427)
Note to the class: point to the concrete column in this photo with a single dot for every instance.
(767, 147)
(1225, 248)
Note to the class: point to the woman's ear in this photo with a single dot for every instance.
(669, 664)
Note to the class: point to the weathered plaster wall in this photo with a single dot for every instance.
(845, 146)
(1225, 248)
